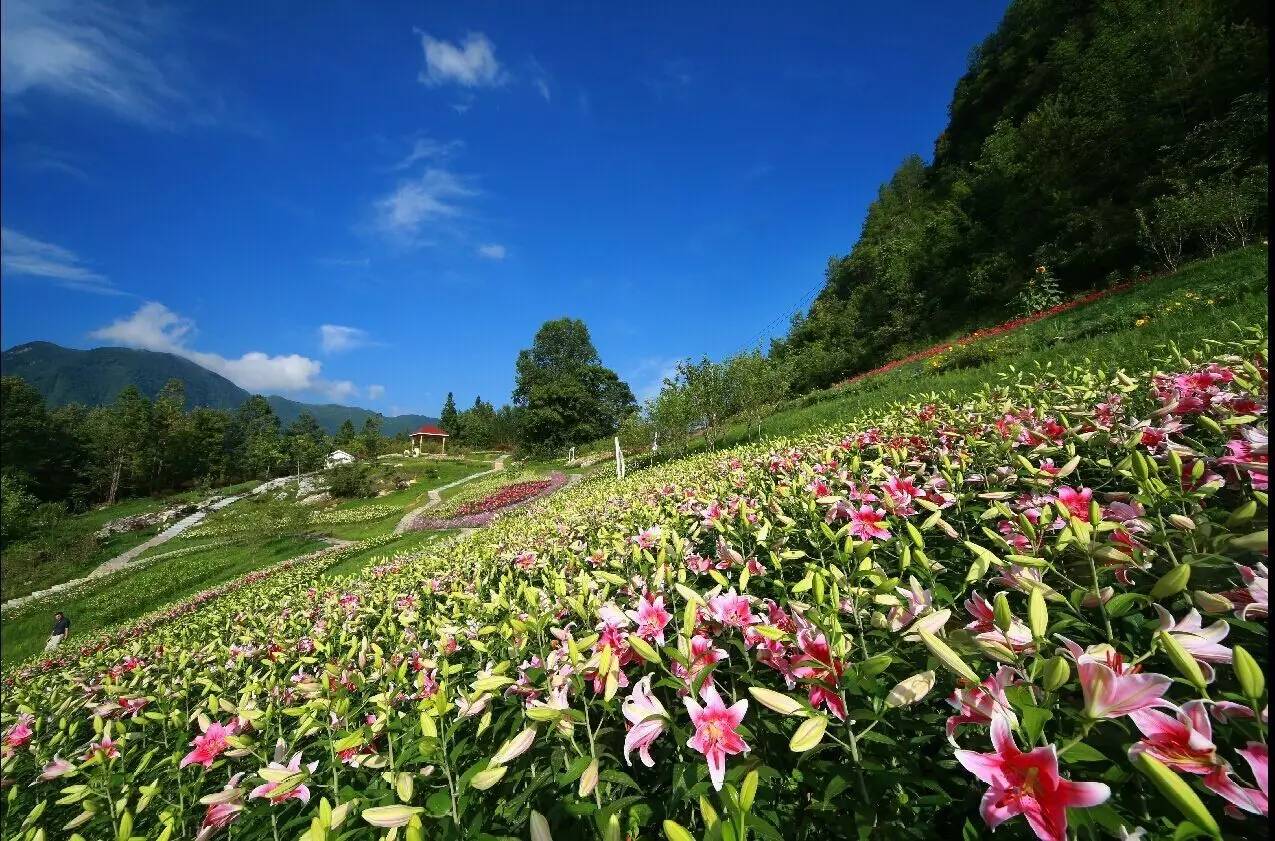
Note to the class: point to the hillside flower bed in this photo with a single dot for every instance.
(482, 488)
(476, 513)
(1039, 608)
(363, 514)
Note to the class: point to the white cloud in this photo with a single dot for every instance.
(492, 251)
(648, 375)
(471, 63)
(540, 79)
(433, 196)
(340, 390)
(429, 149)
(334, 338)
(30, 257)
(155, 327)
(375, 392)
(102, 54)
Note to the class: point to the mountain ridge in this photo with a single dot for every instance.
(94, 377)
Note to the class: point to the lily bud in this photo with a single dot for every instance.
(1001, 614)
(1184, 662)
(948, 657)
(1248, 673)
(1182, 521)
(1037, 613)
(1172, 582)
(1057, 673)
(589, 779)
(1178, 793)
(1211, 603)
(539, 827)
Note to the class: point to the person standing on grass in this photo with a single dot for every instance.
(61, 627)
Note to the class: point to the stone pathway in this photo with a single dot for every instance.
(436, 495)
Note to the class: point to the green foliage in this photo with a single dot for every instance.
(1039, 293)
(565, 394)
(447, 418)
(1088, 139)
(354, 480)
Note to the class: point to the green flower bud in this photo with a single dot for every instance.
(1184, 662)
(1037, 613)
(1001, 613)
(1177, 792)
(1057, 673)
(1211, 603)
(1172, 582)
(1248, 673)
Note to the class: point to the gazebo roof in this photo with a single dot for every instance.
(430, 429)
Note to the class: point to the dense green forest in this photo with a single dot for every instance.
(73, 456)
(1087, 142)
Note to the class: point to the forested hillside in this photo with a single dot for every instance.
(96, 377)
(1088, 141)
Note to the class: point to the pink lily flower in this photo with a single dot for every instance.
(732, 610)
(866, 523)
(298, 792)
(984, 702)
(1204, 644)
(218, 817)
(647, 718)
(821, 670)
(1184, 741)
(210, 745)
(1018, 638)
(915, 602)
(1111, 688)
(647, 538)
(702, 655)
(59, 767)
(1076, 501)
(19, 733)
(1253, 597)
(651, 618)
(1028, 784)
(1254, 800)
(715, 731)
(105, 748)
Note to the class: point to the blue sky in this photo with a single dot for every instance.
(377, 203)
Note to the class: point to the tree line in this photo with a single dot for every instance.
(135, 446)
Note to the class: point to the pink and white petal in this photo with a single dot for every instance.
(996, 808)
(1084, 795)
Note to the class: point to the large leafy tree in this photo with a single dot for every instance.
(565, 393)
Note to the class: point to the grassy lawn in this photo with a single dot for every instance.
(428, 474)
(356, 562)
(133, 593)
(1126, 328)
(73, 554)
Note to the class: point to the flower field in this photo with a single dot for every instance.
(479, 510)
(1038, 609)
(360, 514)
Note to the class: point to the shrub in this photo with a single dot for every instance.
(351, 480)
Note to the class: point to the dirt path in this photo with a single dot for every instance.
(436, 495)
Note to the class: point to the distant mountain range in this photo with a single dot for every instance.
(95, 377)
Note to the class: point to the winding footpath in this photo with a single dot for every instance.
(126, 558)
(436, 495)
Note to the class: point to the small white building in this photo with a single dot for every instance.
(337, 457)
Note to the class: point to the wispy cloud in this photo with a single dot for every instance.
(335, 338)
(435, 196)
(375, 392)
(429, 149)
(346, 262)
(30, 257)
(672, 79)
(540, 79)
(470, 63)
(647, 377)
(101, 54)
(155, 327)
(492, 251)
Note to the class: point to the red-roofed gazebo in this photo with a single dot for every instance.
(425, 433)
